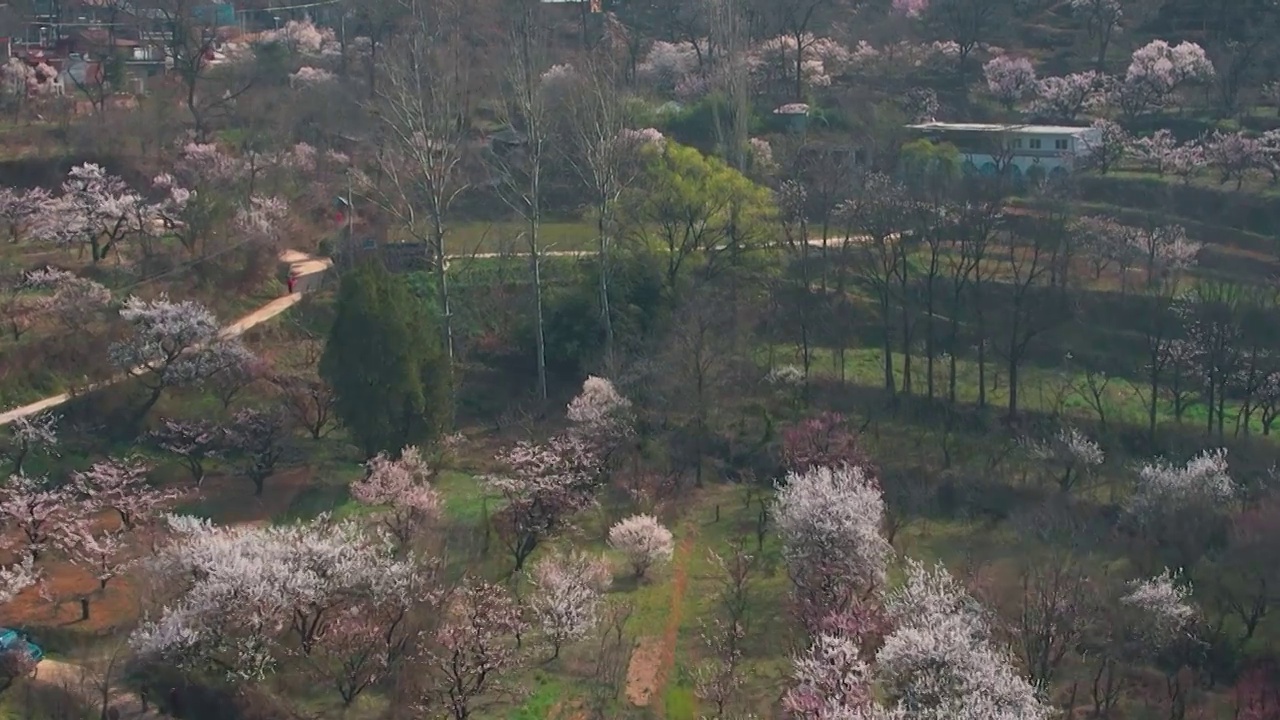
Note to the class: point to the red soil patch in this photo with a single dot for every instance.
(66, 583)
(679, 584)
(55, 601)
(653, 659)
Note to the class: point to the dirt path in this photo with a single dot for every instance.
(305, 267)
(655, 657)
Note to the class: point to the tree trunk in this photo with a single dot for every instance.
(539, 330)
(84, 609)
(606, 316)
(442, 287)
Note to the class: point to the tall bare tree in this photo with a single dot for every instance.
(422, 103)
(209, 88)
(728, 45)
(603, 160)
(526, 110)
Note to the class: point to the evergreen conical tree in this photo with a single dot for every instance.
(385, 363)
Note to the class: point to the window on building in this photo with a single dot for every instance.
(1061, 144)
(1035, 143)
(1016, 144)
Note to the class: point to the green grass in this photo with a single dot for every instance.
(465, 497)
(496, 237)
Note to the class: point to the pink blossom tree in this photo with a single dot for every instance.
(547, 485)
(1156, 72)
(1234, 155)
(476, 645)
(829, 520)
(22, 210)
(669, 64)
(350, 655)
(565, 596)
(173, 344)
(122, 487)
(1109, 147)
(643, 540)
(193, 442)
(402, 486)
(1063, 99)
(910, 8)
(1009, 79)
(16, 577)
(103, 554)
(831, 680)
(262, 219)
(310, 77)
(825, 440)
(38, 510)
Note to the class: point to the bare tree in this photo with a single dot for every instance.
(526, 110)
(718, 680)
(423, 107)
(728, 43)
(604, 162)
(208, 88)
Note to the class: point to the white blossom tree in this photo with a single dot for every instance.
(402, 486)
(601, 416)
(566, 593)
(829, 520)
(97, 209)
(1070, 454)
(173, 344)
(643, 540)
(245, 597)
(939, 662)
(30, 435)
(1163, 607)
(1204, 481)
(75, 301)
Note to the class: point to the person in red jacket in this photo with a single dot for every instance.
(293, 282)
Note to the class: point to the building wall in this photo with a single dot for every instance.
(987, 163)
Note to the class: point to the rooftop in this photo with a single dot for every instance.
(1001, 127)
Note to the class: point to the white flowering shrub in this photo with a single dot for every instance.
(247, 596)
(939, 663)
(643, 540)
(1203, 482)
(1070, 453)
(567, 590)
(830, 521)
(1163, 608)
